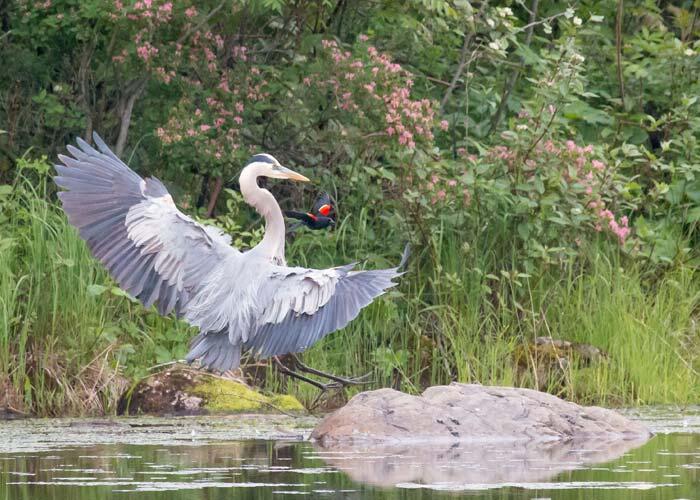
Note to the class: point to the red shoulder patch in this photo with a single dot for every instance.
(313, 217)
(324, 210)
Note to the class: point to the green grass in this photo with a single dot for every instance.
(455, 328)
(70, 342)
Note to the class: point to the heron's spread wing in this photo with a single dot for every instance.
(154, 251)
(301, 306)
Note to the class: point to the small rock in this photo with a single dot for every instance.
(185, 391)
(546, 362)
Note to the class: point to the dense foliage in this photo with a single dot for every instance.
(544, 159)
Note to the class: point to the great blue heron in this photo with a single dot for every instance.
(321, 215)
(240, 301)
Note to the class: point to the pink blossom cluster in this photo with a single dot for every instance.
(607, 219)
(584, 177)
(369, 85)
(214, 123)
(590, 173)
(148, 17)
(156, 11)
(220, 75)
(146, 51)
(211, 132)
(443, 190)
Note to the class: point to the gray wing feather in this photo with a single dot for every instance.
(215, 351)
(296, 331)
(154, 251)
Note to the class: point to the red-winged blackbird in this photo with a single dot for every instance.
(321, 215)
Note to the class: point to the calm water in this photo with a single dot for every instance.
(189, 458)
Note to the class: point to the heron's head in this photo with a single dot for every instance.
(268, 166)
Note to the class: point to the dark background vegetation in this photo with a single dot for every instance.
(542, 158)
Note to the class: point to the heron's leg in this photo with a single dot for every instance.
(341, 380)
(291, 373)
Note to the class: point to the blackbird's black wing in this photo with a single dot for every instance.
(324, 199)
(302, 216)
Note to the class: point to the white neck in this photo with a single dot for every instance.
(272, 244)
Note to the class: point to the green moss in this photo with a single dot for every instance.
(228, 396)
(287, 403)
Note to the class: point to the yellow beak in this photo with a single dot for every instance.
(292, 175)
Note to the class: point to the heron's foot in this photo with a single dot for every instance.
(335, 381)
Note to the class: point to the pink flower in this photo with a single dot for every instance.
(363, 38)
(238, 119)
(598, 165)
(444, 125)
(191, 12)
(204, 127)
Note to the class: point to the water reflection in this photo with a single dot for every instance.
(182, 468)
(471, 463)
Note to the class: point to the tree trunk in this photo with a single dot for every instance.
(125, 111)
(218, 184)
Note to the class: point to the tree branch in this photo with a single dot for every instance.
(211, 14)
(510, 85)
(462, 61)
(618, 49)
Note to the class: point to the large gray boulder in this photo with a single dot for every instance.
(475, 413)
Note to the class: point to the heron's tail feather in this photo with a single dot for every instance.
(404, 258)
(214, 351)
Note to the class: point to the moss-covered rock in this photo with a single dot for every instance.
(229, 396)
(184, 391)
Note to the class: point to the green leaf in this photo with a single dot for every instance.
(95, 290)
(118, 292)
(694, 214)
